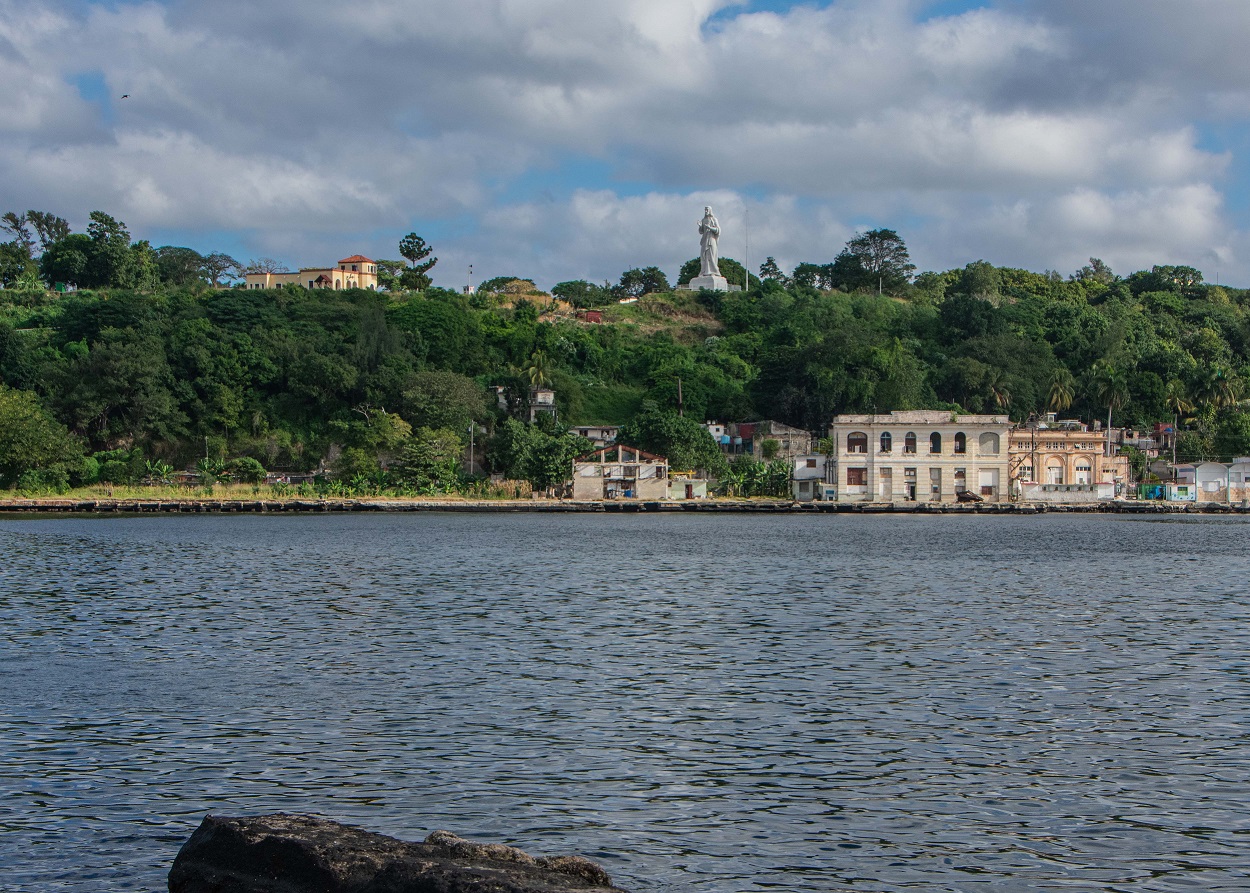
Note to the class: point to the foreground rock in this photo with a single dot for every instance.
(307, 854)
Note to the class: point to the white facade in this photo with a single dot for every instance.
(919, 456)
(809, 479)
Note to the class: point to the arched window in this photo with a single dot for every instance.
(909, 442)
(935, 442)
(857, 442)
(887, 442)
(961, 443)
(988, 444)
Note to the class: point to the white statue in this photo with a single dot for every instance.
(709, 233)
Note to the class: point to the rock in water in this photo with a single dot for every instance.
(283, 853)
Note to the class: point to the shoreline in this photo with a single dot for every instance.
(26, 507)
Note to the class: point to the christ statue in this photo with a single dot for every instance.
(709, 233)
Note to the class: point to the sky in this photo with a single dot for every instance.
(574, 139)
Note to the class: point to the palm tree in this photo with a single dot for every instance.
(1062, 389)
(537, 372)
(1111, 388)
(1217, 389)
(1176, 398)
(996, 384)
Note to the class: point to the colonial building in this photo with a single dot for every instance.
(356, 271)
(919, 456)
(1064, 461)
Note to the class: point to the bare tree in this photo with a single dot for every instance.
(217, 266)
(265, 265)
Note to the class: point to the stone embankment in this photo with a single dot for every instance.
(308, 854)
(712, 506)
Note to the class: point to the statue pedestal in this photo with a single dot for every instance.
(715, 283)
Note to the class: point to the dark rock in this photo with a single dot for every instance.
(308, 854)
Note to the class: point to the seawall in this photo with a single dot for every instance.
(710, 506)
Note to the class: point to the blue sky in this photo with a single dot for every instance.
(561, 139)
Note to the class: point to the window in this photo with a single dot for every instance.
(961, 443)
(810, 463)
(856, 477)
(935, 442)
(988, 444)
(887, 442)
(857, 442)
(909, 442)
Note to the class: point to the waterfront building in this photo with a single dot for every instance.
(620, 472)
(811, 480)
(919, 456)
(356, 271)
(1064, 461)
(1227, 483)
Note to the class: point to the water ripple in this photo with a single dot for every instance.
(705, 704)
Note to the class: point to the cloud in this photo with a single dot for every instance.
(298, 122)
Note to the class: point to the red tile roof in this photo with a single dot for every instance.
(356, 259)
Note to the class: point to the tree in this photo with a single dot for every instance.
(581, 293)
(413, 248)
(998, 387)
(265, 265)
(1176, 398)
(537, 372)
(882, 255)
(438, 399)
(684, 442)
(1111, 390)
(635, 282)
(31, 440)
(389, 272)
(1062, 389)
(218, 266)
(17, 224)
(14, 264)
(48, 227)
(770, 272)
(1095, 271)
(813, 275)
(980, 280)
(430, 460)
(110, 262)
(66, 261)
(526, 452)
(246, 470)
(1217, 389)
(179, 266)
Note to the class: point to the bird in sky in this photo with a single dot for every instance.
(125, 96)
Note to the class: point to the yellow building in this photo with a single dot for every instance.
(356, 271)
(1064, 461)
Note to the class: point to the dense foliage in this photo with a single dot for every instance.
(343, 383)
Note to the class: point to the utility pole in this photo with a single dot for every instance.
(681, 411)
(746, 251)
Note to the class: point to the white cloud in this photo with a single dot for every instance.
(301, 120)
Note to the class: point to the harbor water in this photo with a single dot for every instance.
(698, 703)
